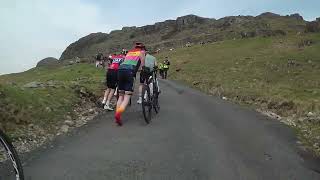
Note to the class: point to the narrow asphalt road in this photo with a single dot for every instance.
(195, 137)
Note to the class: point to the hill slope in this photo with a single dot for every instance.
(190, 28)
(274, 74)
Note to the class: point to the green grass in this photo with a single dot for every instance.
(256, 72)
(44, 107)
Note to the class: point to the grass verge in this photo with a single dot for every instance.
(44, 106)
(277, 74)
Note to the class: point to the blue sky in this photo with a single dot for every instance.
(35, 29)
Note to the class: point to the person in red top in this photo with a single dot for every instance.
(112, 79)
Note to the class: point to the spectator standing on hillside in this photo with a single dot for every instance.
(166, 64)
(99, 59)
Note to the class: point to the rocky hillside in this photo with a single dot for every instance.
(190, 28)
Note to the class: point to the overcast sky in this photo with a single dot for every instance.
(31, 30)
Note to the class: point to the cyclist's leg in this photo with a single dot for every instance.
(110, 95)
(106, 92)
(121, 86)
(157, 83)
(126, 100)
(126, 81)
(113, 81)
(120, 99)
(142, 81)
(150, 82)
(105, 97)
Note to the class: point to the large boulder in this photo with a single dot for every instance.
(48, 62)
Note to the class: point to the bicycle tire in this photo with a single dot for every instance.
(146, 104)
(12, 156)
(155, 99)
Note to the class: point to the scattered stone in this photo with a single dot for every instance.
(51, 83)
(310, 114)
(69, 123)
(48, 109)
(77, 59)
(271, 114)
(195, 83)
(91, 111)
(85, 113)
(33, 84)
(292, 63)
(64, 128)
(305, 42)
(31, 126)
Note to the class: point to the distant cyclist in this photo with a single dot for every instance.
(146, 72)
(112, 79)
(166, 64)
(126, 74)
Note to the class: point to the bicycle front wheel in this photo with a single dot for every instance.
(10, 165)
(146, 103)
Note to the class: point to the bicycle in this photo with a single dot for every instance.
(9, 159)
(150, 101)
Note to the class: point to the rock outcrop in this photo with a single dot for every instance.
(313, 26)
(296, 16)
(48, 62)
(176, 33)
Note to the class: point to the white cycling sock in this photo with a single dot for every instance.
(104, 100)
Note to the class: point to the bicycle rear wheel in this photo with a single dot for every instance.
(155, 99)
(146, 103)
(10, 165)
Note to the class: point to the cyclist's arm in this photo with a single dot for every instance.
(142, 58)
(155, 63)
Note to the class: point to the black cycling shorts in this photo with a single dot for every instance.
(126, 79)
(112, 78)
(145, 74)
